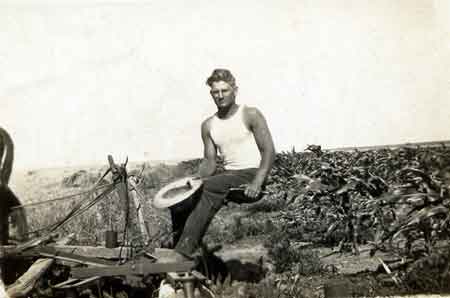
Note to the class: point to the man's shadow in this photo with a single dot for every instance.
(220, 271)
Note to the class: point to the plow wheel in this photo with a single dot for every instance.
(13, 229)
(8, 200)
(13, 224)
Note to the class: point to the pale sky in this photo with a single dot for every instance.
(83, 79)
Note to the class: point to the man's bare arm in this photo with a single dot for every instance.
(208, 165)
(258, 125)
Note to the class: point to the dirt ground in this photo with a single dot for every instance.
(355, 275)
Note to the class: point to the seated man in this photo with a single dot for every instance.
(241, 136)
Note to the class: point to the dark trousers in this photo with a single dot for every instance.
(191, 218)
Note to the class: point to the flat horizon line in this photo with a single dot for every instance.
(178, 160)
(95, 164)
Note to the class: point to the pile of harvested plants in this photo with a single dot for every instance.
(394, 200)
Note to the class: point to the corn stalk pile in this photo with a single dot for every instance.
(390, 198)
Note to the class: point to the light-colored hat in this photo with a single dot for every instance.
(176, 192)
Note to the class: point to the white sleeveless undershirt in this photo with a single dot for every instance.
(235, 142)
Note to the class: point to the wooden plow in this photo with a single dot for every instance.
(62, 270)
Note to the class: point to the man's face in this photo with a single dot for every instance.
(223, 94)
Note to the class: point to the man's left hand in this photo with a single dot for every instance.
(252, 190)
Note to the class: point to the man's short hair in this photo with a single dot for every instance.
(221, 74)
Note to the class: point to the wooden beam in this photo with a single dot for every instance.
(24, 284)
(54, 253)
(8, 251)
(95, 251)
(139, 209)
(142, 268)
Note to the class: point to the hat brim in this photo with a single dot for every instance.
(176, 192)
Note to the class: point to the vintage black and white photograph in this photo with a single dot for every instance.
(224, 149)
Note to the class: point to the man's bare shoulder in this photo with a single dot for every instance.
(252, 111)
(206, 124)
(252, 114)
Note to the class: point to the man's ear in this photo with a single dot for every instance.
(235, 89)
